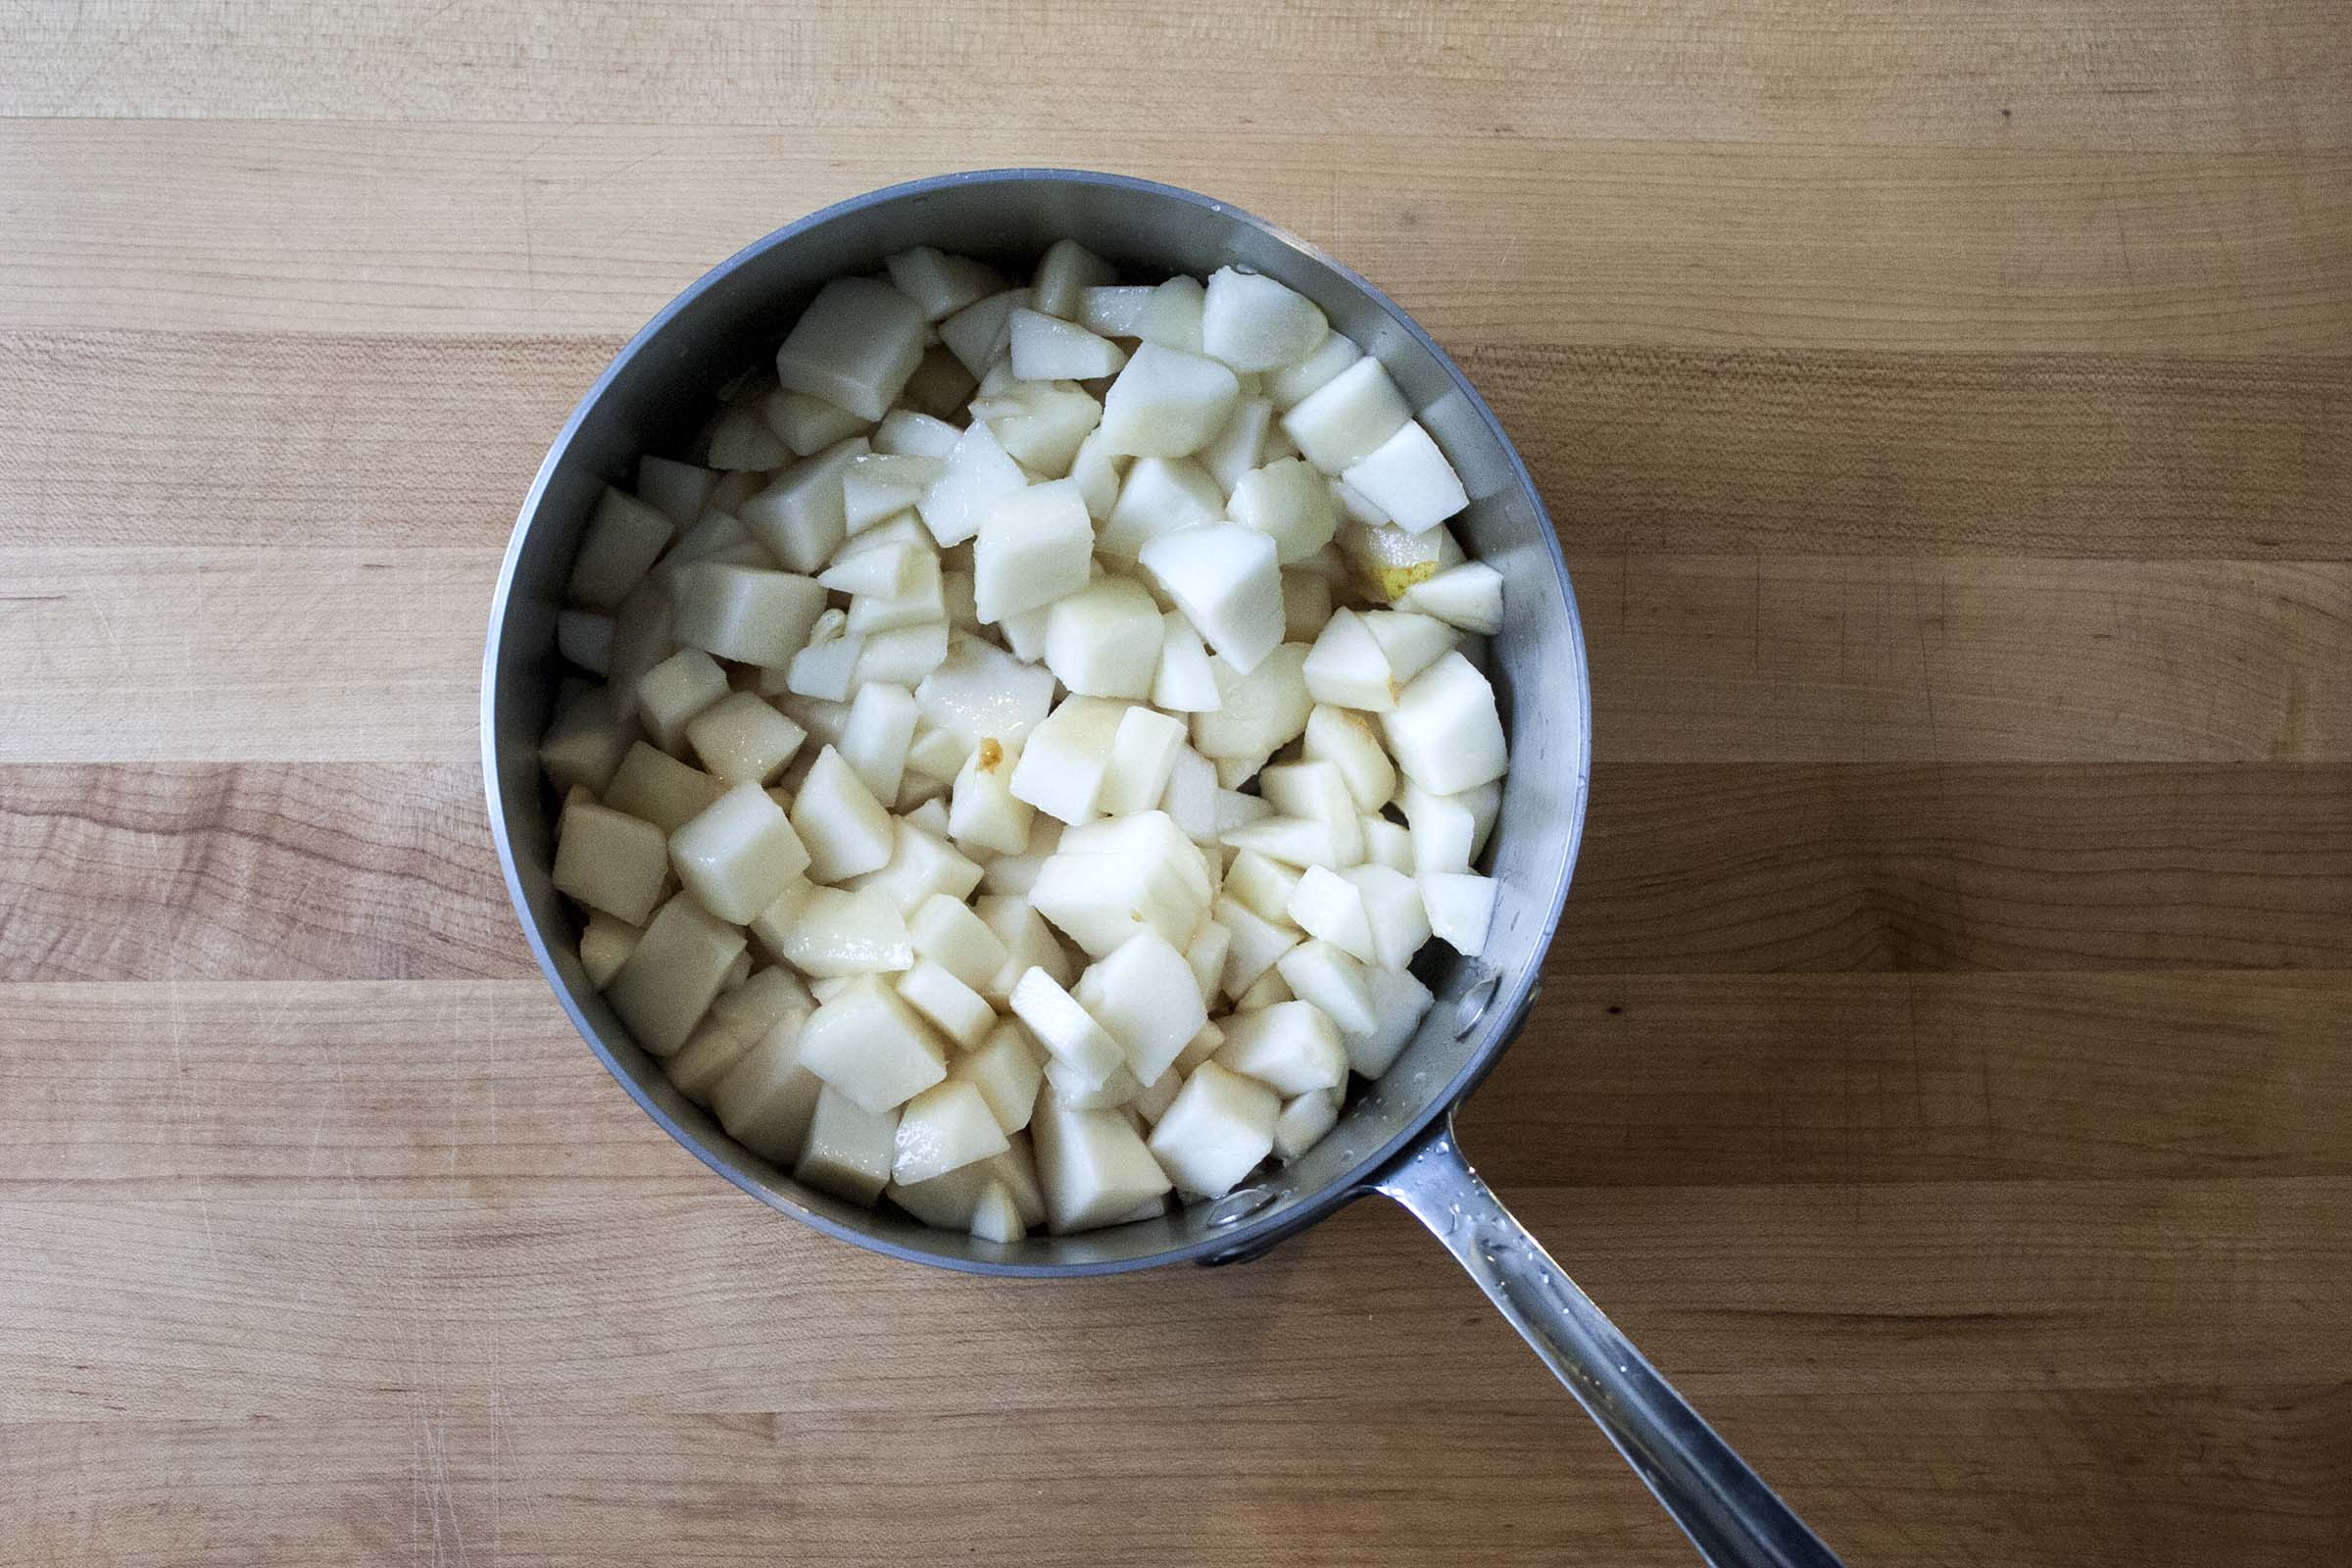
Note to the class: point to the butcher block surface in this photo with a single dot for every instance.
(1944, 1069)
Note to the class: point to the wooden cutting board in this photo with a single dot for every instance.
(1943, 1070)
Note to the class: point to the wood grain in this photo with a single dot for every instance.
(510, 229)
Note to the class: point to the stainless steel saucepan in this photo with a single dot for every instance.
(1396, 1138)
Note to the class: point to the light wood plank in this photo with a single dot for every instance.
(515, 229)
(393, 439)
(2084, 1479)
(2153, 75)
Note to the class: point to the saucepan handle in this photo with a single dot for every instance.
(1729, 1514)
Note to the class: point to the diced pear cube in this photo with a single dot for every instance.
(1159, 495)
(903, 432)
(1410, 642)
(939, 282)
(607, 943)
(1065, 273)
(1017, 873)
(674, 691)
(713, 536)
(920, 866)
(1407, 477)
(834, 933)
(737, 973)
(878, 486)
(945, 1128)
(1070, 1035)
(1445, 732)
(846, 830)
(1393, 905)
(1045, 348)
(996, 1217)
(1171, 317)
(953, 1008)
(980, 691)
(589, 741)
(1034, 545)
(1092, 1167)
(979, 334)
(1103, 641)
(1468, 596)
(930, 812)
(1347, 669)
(622, 540)
(1145, 997)
(1225, 579)
(866, 1042)
(742, 739)
(707, 1057)
(1099, 900)
(1328, 906)
(1319, 792)
(1262, 886)
(1349, 742)
(1240, 445)
(610, 861)
(1346, 420)
(903, 655)
(680, 491)
(1388, 843)
(1167, 403)
(1197, 1049)
(855, 346)
(657, 788)
(1095, 470)
(643, 633)
(1006, 1070)
(1029, 944)
(1191, 796)
(1181, 680)
(1252, 322)
(742, 441)
(673, 975)
(1065, 758)
(948, 932)
(586, 639)
(1205, 957)
(1322, 973)
(767, 1099)
(979, 473)
(1114, 309)
(875, 740)
(739, 854)
(1386, 561)
(985, 813)
(1292, 1048)
(1301, 840)
(1142, 756)
(770, 995)
(1259, 711)
(1216, 1131)
(1445, 829)
(850, 1149)
(809, 424)
(1040, 425)
(1269, 991)
(1304, 1122)
(1461, 908)
(1293, 384)
(1257, 944)
(1399, 1002)
(802, 516)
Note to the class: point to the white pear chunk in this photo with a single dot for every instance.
(1290, 503)
(1147, 997)
(801, 517)
(1157, 1096)
(836, 933)
(739, 854)
(1150, 875)
(745, 613)
(1407, 477)
(950, 1007)
(674, 691)
(946, 932)
(1346, 420)
(766, 1099)
(1006, 1069)
(1303, 1123)
(1017, 873)
(1205, 957)
(1040, 425)
(1236, 809)
(586, 639)
(809, 424)
(1077, 1091)
(589, 741)
(1322, 973)
(1092, 1167)
(1399, 1002)
(982, 692)
(930, 812)
(705, 1060)
(1025, 635)
(920, 864)
(934, 752)
(850, 1150)
(939, 282)
(1116, 310)
(769, 997)
(742, 739)
(662, 790)
(1065, 273)
(901, 656)
(1071, 1035)
(1410, 641)
(673, 974)
(605, 945)
(1143, 757)
(874, 742)
(1262, 886)
(1197, 1049)
(680, 491)
(1045, 348)
(883, 572)
(1388, 843)
(1190, 797)
(979, 474)
(1064, 759)
(737, 973)
(1239, 446)
(1291, 384)
(1318, 792)
(985, 813)
(855, 346)
(1461, 907)
(1029, 944)
(846, 830)
(1257, 712)
(713, 536)
(1256, 945)
(611, 862)
(622, 540)
(1445, 732)
(827, 668)
(1181, 679)
(866, 1042)
(1158, 495)
(945, 1128)
(876, 486)
(1270, 991)
(1330, 906)
(1292, 1048)
(996, 1217)
(1216, 1131)
(1393, 904)
(1252, 322)
(1167, 403)
(1225, 579)
(903, 432)
(1103, 641)
(1034, 545)
(1171, 317)
(742, 441)
(1386, 561)
(979, 334)
(1350, 744)
(1099, 475)
(1468, 596)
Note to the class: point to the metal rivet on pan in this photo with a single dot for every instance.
(1236, 1206)
(1477, 995)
